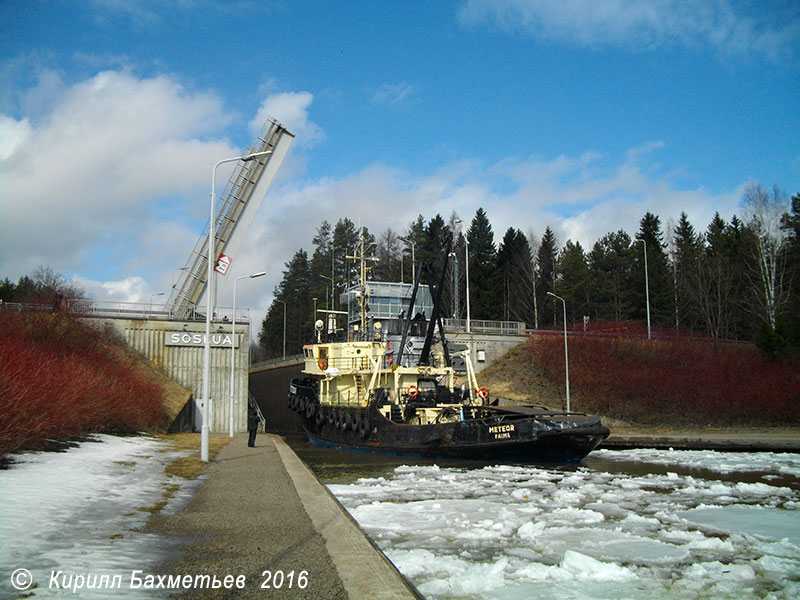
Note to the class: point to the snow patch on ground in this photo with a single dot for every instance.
(81, 511)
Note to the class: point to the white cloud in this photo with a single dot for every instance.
(13, 134)
(581, 198)
(118, 170)
(731, 28)
(392, 94)
(130, 289)
(92, 170)
(290, 109)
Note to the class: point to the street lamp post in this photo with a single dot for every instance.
(408, 240)
(153, 296)
(466, 255)
(455, 286)
(646, 287)
(233, 345)
(284, 326)
(209, 305)
(566, 355)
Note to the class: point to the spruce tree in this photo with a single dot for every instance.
(610, 268)
(546, 267)
(483, 284)
(688, 248)
(659, 278)
(573, 281)
(295, 290)
(513, 264)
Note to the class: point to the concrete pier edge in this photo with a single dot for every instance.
(742, 439)
(364, 569)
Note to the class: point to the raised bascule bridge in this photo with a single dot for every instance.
(172, 334)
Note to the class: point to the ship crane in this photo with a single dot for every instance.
(243, 195)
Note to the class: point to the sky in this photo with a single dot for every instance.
(574, 114)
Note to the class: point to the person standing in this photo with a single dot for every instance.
(253, 421)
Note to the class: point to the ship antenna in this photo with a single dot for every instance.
(362, 279)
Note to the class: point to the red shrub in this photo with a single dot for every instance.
(673, 380)
(60, 378)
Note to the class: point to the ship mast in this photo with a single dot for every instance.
(362, 278)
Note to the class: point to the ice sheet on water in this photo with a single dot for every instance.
(774, 524)
(79, 511)
(524, 531)
(783, 463)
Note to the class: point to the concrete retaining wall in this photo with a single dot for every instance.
(184, 363)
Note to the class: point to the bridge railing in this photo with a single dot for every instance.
(127, 310)
(481, 326)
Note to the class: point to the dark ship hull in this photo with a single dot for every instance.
(514, 434)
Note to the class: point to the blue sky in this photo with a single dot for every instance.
(577, 114)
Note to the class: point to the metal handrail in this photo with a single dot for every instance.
(127, 310)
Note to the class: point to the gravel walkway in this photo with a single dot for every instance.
(251, 515)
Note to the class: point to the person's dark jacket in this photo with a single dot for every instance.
(253, 422)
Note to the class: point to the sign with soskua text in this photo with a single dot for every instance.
(188, 338)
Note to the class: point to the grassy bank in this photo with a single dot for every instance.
(61, 378)
(672, 381)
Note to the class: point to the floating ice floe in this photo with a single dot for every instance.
(513, 531)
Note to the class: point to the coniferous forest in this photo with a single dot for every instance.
(734, 280)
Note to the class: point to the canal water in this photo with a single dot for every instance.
(640, 524)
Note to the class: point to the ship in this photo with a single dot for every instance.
(399, 388)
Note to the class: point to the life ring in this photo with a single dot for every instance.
(412, 391)
(389, 360)
(389, 346)
(483, 393)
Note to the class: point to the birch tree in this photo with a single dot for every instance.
(764, 212)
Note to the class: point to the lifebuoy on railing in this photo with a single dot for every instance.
(412, 391)
(483, 393)
(389, 360)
